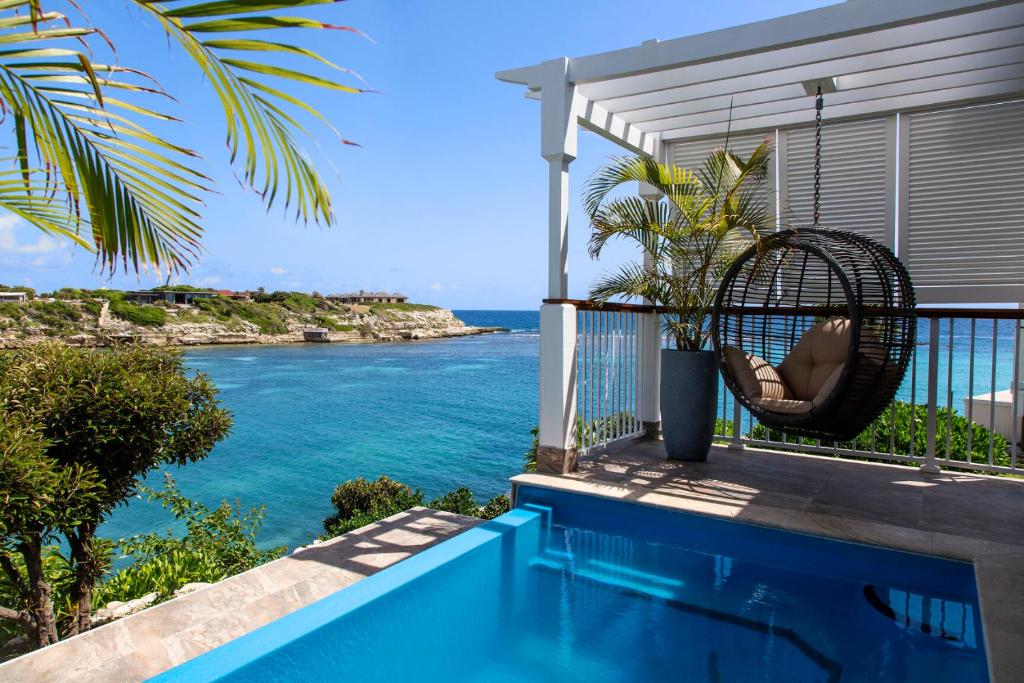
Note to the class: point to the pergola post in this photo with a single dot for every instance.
(650, 351)
(556, 452)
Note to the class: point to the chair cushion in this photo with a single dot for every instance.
(783, 405)
(755, 377)
(815, 358)
(830, 384)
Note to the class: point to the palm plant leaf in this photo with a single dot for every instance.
(689, 239)
(88, 171)
(260, 131)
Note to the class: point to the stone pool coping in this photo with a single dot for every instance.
(145, 644)
(973, 518)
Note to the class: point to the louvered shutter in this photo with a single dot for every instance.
(964, 203)
(856, 181)
(690, 154)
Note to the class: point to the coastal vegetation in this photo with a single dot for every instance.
(904, 429)
(217, 543)
(73, 312)
(79, 429)
(149, 316)
(359, 502)
(79, 133)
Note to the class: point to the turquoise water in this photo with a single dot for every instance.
(433, 414)
(574, 588)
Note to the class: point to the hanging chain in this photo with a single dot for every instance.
(819, 104)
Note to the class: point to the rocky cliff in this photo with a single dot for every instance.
(103, 321)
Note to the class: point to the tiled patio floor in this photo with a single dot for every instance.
(962, 516)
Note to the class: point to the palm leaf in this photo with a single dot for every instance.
(261, 134)
(86, 171)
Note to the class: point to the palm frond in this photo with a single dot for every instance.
(667, 179)
(111, 184)
(705, 221)
(261, 134)
(633, 218)
(631, 281)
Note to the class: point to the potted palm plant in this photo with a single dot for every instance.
(688, 238)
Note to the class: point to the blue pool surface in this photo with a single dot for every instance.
(570, 587)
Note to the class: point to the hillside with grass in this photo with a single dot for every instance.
(103, 316)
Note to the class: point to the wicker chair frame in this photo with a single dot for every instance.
(773, 294)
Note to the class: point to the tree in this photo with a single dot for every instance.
(112, 417)
(38, 498)
(88, 167)
(704, 222)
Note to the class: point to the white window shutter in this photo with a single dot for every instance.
(964, 203)
(857, 177)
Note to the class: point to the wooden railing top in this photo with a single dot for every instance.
(611, 306)
(937, 312)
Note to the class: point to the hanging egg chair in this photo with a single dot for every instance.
(814, 328)
(814, 331)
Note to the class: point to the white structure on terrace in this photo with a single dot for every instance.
(924, 144)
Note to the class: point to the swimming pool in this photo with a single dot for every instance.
(570, 587)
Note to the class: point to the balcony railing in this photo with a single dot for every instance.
(959, 407)
(609, 373)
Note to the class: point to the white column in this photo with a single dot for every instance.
(557, 448)
(650, 350)
(557, 451)
(558, 225)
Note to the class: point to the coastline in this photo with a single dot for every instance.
(229, 339)
(95, 324)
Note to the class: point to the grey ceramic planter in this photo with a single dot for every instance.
(689, 394)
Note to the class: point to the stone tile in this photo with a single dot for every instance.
(1002, 613)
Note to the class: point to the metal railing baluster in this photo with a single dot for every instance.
(932, 389)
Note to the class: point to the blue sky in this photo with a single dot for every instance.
(446, 197)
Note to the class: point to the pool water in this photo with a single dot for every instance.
(577, 588)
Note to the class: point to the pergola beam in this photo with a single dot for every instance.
(949, 97)
(805, 28)
(897, 66)
(878, 97)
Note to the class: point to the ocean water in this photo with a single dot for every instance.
(434, 414)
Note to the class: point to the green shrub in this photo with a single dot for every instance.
(267, 318)
(359, 502)
(460, 501)
(217, 543)
(93, 306)
(332, 324)
(58, 315)
(9, 309)
(150, 316)
(530, 456)
(894, 427)
(496, 507)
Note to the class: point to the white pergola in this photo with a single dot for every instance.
(897, 77)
